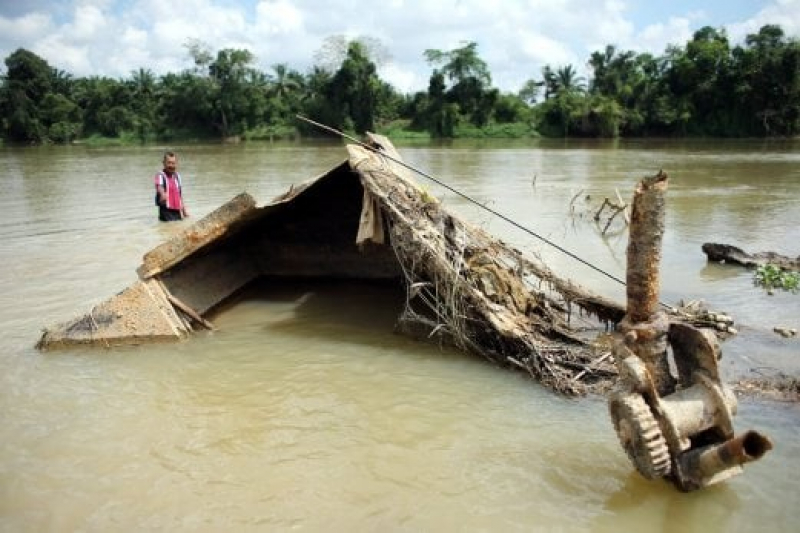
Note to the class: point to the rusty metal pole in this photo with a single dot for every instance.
(645, 325)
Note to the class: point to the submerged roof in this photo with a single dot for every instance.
(365, 219)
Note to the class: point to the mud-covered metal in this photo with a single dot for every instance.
(672, 425)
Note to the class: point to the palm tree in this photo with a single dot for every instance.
(549, 82)
(62, 82)
(567, 80)
(530, 91)
(143, 89)
(563, 80)
(285, 82)
(144, 82)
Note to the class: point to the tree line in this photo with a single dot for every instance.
(706, 87)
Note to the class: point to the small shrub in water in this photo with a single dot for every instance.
(772, 277)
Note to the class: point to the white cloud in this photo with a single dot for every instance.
(783, 12)
(278, 17)
(515, 37)
(90, 25)
(403, 80)
(539, 50)
(542, 49)
(25, 29)
(656, 37)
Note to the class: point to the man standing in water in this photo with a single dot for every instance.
(169, 191)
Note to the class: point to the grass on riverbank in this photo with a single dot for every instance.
(395, 130)
(516, 130)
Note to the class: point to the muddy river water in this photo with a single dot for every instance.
(304, 411)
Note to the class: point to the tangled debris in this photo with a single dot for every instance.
(474, 291)
(698, 314)
(777, 388)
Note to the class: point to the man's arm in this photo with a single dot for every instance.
(162, 194)
(184, 212)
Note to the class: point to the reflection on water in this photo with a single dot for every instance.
(714, 272)
(305, 410)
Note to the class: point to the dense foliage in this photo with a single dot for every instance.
(706, 87)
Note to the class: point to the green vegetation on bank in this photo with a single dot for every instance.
(772, 277)
(706, 88)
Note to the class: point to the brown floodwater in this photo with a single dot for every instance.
(305, 411)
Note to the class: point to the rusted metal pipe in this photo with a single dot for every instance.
(711, 464)
(644, 247)
(645, 325)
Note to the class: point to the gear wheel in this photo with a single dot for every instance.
(640, 435)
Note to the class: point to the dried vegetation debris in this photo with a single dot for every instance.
(483, 296)
(697, 313)
(780, 388)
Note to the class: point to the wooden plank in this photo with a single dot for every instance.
(189, 311)
(194, 237)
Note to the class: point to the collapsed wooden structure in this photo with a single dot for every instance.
(366, 219)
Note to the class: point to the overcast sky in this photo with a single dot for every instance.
(515, 37)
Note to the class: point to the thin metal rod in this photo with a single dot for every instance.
(466, 197)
